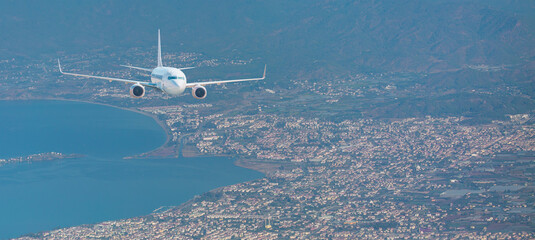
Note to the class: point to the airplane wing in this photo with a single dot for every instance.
(190, 85)
(150, 70)
(138, 68)
(147, 84)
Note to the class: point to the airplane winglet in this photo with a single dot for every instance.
(59, 66)
(265, 68)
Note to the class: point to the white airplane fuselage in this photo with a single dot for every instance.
(170, 80)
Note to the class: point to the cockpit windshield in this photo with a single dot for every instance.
(172, 77)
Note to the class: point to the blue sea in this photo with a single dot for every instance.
(101, 185)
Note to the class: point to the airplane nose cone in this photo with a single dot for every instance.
(173, 88)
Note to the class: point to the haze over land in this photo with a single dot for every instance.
(457, 46)
(411, 100)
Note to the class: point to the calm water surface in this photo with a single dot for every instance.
(101, 186)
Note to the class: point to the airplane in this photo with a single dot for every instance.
(169, 80)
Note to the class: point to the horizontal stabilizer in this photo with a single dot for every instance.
(186, 68)
(138, 68)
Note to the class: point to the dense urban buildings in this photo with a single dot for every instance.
(438, 177)
(377, 119)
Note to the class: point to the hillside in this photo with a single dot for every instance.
(459, 46)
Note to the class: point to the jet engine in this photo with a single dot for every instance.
(137, 91)
(198, 92)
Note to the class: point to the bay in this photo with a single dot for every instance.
(100, 186)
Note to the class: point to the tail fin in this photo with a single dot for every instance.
(159, 50)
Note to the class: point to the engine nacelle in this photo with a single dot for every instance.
(199, 92)
(137, 91)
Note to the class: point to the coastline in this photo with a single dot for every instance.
(39, 157)
(265, 168)
(167, 131)
(190, 151)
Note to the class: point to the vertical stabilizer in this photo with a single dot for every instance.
(159, 50)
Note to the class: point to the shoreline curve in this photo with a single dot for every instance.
(251, 164)
(164, 127)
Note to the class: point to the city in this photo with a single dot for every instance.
(437, 177)
(376, 120)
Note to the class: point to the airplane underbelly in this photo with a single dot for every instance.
(172, 89)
